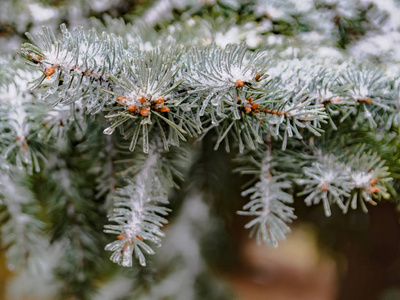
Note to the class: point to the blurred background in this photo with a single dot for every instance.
(352, 256)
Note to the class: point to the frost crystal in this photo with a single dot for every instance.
(267, 204)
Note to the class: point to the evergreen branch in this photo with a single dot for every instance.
(21, 230)
(267, 204)
(328, 181)
(220, 74)
(138, 213)
(75, 66)
(360, 178)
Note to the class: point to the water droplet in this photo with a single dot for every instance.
(108, 130)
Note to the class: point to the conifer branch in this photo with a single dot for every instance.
(138, 212)
(268, 204)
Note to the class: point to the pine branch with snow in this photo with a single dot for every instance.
(104, 117)
(268, 202)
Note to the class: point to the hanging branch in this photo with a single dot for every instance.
(139, 208)
(361, 177)
(267, 203)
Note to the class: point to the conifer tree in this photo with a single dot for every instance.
(106, 126)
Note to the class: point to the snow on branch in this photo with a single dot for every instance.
(268, 198)
(328, 182)
(139, 213)
(219, 76)
(75, 66)
(146, 95)
(357, 178)
(21, 231)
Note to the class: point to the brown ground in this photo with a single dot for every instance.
(295, 270)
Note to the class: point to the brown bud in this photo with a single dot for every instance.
(142, 98)
(368, 101)
(139, 237)
(239, 83)
(144, 112)
(160, 100)
(164, 109)
(49, 71)
(257, 78)
(323, 187)
(374, 181)
(254, 106)
(120, 237)
(132, 108)
(374, 189)
(34, 57)
(120, 98)
(247, 109)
